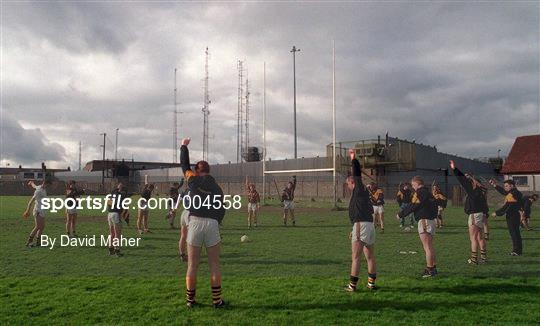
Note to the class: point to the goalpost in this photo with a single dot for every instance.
(333, 168)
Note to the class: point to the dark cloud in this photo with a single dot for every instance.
(462, 76)
(27, 146)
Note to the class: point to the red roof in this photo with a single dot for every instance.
(524, 156)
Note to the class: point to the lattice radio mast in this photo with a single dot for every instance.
(205, 109)
(175, 122)
(240, 119)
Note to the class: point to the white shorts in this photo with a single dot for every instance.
(203, 231)
(37, 211)
(363, 232)
(477, 219)
(114, 219)
(378, 209)
(71, 210)
(288, 204)
(184, 218)
(427, 226)
(252, 207)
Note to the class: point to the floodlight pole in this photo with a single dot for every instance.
(294, 50)
(116, 146)
(264, 135)
(103, 170)
(334, 118)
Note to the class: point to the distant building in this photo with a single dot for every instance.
(523, 163)
(25, 174)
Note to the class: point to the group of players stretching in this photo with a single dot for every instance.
(200, 227)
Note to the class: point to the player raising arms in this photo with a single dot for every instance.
(442, 201)
(115, 208)
(254, 201)
(513, 205)
(363, 231)
(38, 212)
(424, 207)
(144, 210)
(203, 227)
(287, 198)
(174, 193)
(403, 199)
(71, 213)
(377, 200)
(476, 207)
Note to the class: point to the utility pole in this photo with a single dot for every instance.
(264, 134)
(103, 167)
(239, 127)
(175, 123)
(246, 148)
(205, 109)
(293, 51)
(116, 146)
(80, 155)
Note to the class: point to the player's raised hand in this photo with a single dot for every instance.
(352, 154)
(452, 164)
(186, 141)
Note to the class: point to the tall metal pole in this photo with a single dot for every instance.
(206, 110)
(116, 146)
(294, 50)
(334, 118)
(264, 134)
(103, 167)
(175, 122)
(80, 155)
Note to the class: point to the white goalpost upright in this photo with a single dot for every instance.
(333, 168)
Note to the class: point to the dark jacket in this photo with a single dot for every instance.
(204, 187)
(360, 207)
(423, 205)
(377, 197)
(476, 200)
(116, 200)
(403, 196)
(288, 194)
(513, 203)
(527, 203)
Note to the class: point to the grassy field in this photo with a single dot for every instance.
(282, 276)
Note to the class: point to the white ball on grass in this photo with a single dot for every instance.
(244, 238)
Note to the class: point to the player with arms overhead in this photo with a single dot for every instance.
(424, 207)
(203, 226)
(442, 201)
(71, 213)
(254, 201)
(38, 212)
(363, 231)
(476, 207)
(287, 198)
(377, 200)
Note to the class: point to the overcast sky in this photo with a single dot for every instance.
(461, 76)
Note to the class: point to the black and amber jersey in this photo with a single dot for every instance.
(360, 207)
(423, 205)
(476, 200)
(440, 199)
(513, 202)
(204, 187)
(377, 197)
(403, 196)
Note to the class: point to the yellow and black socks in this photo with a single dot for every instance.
(371, 280)
(216, 295)
(483, 254)
(474, 257)
(190, 296)
(353, 282)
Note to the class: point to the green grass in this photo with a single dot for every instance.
(282, 276)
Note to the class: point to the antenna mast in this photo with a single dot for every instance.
(246, 143)
(175, 123)
(80, 155)
(240, 119)
(205, 109)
